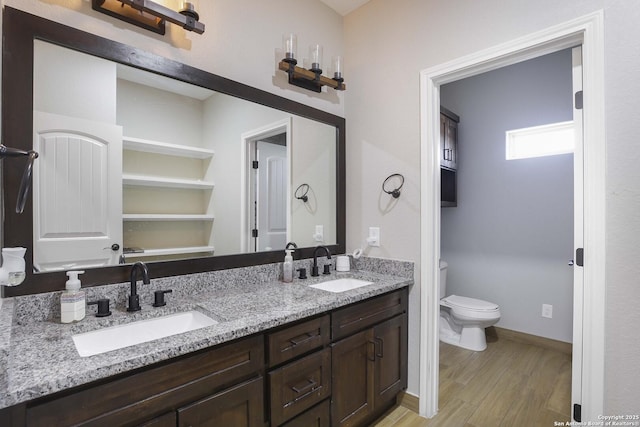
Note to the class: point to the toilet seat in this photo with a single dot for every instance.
(471, 308)
(470, 303)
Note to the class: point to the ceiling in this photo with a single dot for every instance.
(343, 7)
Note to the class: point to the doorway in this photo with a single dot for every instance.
(265, 157)
(585, 31)
(268, 193)
(509, 238)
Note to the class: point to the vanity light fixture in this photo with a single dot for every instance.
(312, 78)
(150, 15)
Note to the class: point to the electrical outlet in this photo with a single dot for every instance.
(547, 311)
(319, 234)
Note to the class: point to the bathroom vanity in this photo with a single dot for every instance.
(280, 354)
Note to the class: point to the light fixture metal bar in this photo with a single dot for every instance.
(308, 78)
(152, 8)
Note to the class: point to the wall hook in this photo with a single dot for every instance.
(301, 192)
(395, 192)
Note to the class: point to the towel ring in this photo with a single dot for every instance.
(396, 192)
(301, 192)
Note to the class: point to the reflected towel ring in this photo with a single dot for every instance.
(301, 192)
(396, 192)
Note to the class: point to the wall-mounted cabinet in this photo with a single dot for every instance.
(448, 157)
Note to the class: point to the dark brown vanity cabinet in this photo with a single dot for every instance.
(343, 368)
(369, 358)
(448, 157)
(222, 383)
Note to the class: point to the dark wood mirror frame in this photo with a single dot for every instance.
(20, 29)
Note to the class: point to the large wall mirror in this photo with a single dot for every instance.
(146, 159)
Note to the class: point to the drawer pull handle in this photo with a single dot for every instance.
(381, 353)
(310, 383)
(371, 355)
(301, 339)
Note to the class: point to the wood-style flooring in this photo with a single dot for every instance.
(508, 384)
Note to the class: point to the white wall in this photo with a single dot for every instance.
(388, 43)
(510, 237)
(226, 119)
(313, 163)
(67, 82)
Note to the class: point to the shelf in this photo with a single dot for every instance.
(148, 146)
(153, 181)
(169, 251)
(167, 217)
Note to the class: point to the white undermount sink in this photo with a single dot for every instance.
(341, 285)
(120, 336)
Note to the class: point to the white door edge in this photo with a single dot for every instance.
(588, 32)
(578, 232)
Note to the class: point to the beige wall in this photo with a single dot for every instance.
(242, 39)
(388, 43)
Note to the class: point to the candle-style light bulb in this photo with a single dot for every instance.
(189, 8)
(290, 46)
(315, 54)
(337, 67)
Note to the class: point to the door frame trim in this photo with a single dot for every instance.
(587, 31)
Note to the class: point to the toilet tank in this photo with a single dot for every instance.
(443, 279)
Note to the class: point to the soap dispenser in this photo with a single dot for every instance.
(73, 301)
(287, 266)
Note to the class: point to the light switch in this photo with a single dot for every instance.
(374, 236)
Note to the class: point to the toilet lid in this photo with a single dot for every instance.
(470, 303)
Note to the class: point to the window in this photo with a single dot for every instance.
(539, 141)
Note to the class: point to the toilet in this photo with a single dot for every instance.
(462, 319)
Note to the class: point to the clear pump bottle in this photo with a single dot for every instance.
(73, 302)
(287, 267)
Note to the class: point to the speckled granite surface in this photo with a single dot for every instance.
(38, 357)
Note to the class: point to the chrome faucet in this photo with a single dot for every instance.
(314, 269)
(134, 298)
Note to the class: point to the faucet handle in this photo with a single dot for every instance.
(326, 269)
(303, 273)
(158, 297)
(103, 307)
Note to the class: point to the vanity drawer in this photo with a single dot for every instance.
(149, 392)
(298, 386)
(242, 405)
(297, 340)
(318, 416)
(354, 318)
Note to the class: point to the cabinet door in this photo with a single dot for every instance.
(448, 142)
(451, 144)
(352, 361)
(443, 141)
(390, 340)
(239, 406)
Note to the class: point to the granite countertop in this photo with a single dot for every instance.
(39, 357)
